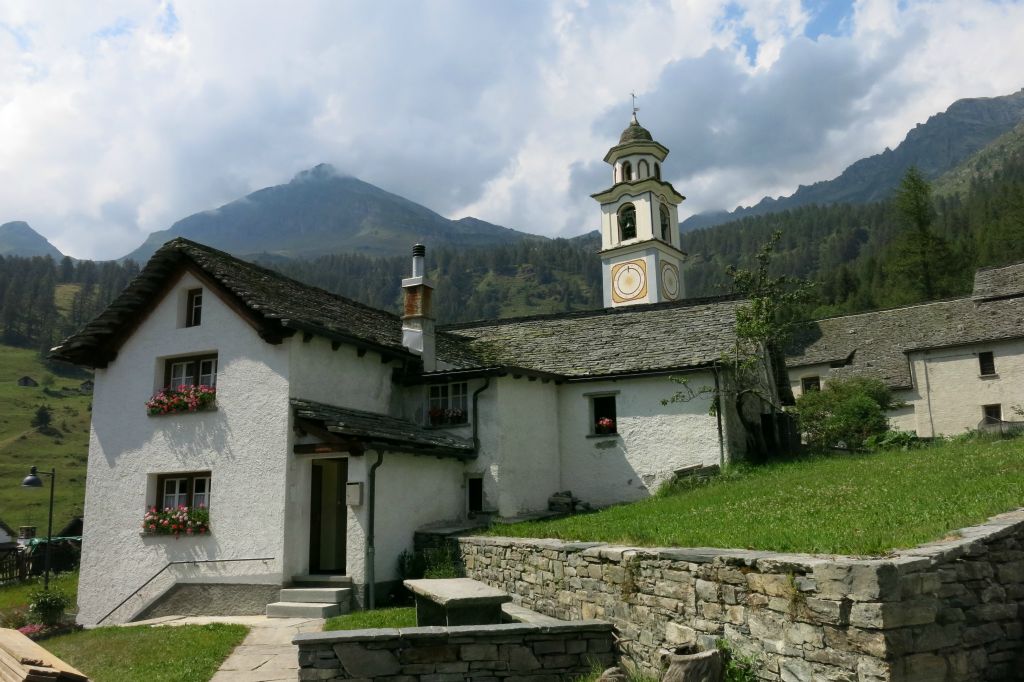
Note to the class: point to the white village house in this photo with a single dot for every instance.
(337, 430)
(957, 365)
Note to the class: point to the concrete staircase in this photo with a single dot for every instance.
(313, 596)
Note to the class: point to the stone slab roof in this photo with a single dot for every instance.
(634, 339)
(277, 305)
(1002, 282)
(373, 429)
(876, 343)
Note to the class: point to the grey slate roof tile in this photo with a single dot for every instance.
(1001, 282)
(877, 343)
(640, 338)
(375, 428)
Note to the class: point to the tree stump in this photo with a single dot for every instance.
(703, 666)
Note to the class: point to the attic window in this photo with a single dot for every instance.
(194, 308)
(986, 364)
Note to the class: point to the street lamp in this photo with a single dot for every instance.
(33, 481)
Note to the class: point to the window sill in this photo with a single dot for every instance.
(447, 426)
(988, 376)
(171, 536)
(603, 435)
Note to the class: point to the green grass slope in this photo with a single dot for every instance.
(22, 446)
(845, 504)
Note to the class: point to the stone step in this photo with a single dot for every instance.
(321, 580)
(289, 609)
(324, 595)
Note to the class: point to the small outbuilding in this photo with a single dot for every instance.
(27, 381)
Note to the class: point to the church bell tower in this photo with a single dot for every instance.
(640, 254)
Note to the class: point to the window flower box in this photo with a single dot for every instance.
(604, 425)
(445, 417)
(178, 521)
(182, 399)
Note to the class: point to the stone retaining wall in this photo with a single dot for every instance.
(944, 612)
(482, 653)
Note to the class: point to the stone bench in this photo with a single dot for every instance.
(456, 601)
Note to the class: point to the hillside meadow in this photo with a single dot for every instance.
(22, 446)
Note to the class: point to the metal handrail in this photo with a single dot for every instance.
(168, 565)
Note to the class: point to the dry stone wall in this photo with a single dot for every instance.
(944, 612)
(514, 652)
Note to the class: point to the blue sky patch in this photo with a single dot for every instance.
(827, 17)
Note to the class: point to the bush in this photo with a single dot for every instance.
(47, 606)
(892, 439)
(845, 413)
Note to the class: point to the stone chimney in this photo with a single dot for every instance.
(417, 315)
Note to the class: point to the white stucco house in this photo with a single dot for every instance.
(957, 364)
(330, 431)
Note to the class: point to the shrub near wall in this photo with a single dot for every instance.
(943, 612)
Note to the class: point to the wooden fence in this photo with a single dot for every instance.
(15, 565)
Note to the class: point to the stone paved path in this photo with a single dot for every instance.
(265, 655)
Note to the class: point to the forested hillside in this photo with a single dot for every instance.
(849, 250)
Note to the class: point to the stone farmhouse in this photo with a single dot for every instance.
(957, 365)
(337, 430)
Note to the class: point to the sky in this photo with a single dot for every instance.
(119, 118)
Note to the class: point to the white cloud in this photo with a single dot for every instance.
(118, 118)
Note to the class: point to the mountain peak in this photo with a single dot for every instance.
(17, 238)
(936, 146)
(318, 173)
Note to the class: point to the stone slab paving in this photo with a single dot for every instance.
(265, 655)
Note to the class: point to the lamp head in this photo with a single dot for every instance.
(32, 480)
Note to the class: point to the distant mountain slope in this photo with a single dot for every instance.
(936, 146)
(18, 239)
(983, 164)
(320, 212)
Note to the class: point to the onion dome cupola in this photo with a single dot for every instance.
(640, 248)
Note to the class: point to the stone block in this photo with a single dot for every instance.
(559, 661)
(772, 584)
(890, 615)
(519, 657)
(453, 667)
(554, 646)
(678, 634)
(478, 652)
(358, 661)
(429, 654)
(923, 668)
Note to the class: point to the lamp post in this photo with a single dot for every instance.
(33, 481)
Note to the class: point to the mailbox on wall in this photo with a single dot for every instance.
(353, 494)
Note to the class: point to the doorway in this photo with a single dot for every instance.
(328, 516)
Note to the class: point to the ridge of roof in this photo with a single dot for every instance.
(592, 312)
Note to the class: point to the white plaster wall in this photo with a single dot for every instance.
(243, 443)
(654, 440)
(341, 378)
(952, 391)
(526, 464)
(412, 491)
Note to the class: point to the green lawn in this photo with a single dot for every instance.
(836, 504)
(404, 617)
(186, 653)
(16, 596)
(22, 446)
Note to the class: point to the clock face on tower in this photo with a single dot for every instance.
(629, 281)
(669, 281)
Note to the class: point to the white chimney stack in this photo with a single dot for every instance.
(417, 314)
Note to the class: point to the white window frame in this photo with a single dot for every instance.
(443, 400)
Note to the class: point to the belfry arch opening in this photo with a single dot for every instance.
(627, 171)
(666, 224)
(627, 222)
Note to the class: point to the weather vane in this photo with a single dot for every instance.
(635, 107)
